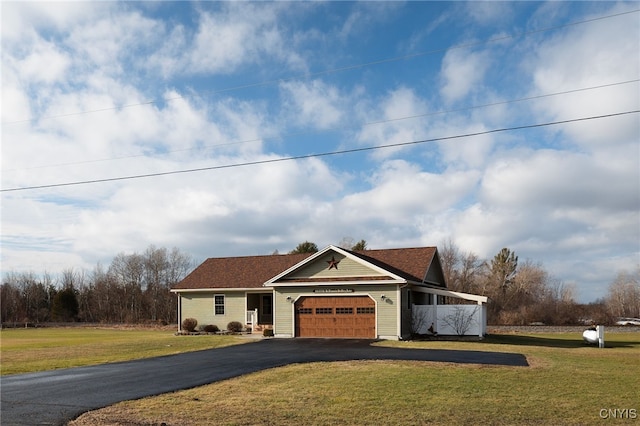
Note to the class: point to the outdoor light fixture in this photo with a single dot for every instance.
(288, 297)
(383, 297)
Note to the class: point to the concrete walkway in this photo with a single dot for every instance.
(55, 397)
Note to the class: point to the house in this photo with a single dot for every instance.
(338, 293)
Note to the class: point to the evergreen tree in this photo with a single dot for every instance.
(65, 305)
(359, 246)
(306, 247)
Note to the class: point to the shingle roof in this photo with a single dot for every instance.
(411, 264)
(238, 272)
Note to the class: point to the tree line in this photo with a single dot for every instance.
(134, 288)
(522, 293)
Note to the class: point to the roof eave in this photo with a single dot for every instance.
(220, 289)
(340, 283)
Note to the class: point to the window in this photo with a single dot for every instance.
(305, 310)
(344, 311)
(366, 310)
(323, 311)
(218, 304)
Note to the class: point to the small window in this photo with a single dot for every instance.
(305, 311)
(324, 311)
(344, 311)
(218, 304)
(366, 310)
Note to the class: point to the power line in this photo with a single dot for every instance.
(337, 70)
(372, 123)
(324, 154)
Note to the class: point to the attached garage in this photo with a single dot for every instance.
(335, 316)
(334, 293)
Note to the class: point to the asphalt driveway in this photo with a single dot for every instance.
(55, 397)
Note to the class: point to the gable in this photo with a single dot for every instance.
(435, 274)
(332, 265)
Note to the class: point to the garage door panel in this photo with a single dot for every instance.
(335, 316)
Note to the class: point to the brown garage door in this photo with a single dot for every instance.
(336, 316)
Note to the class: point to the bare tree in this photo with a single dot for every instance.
(467, 276)
(623, 298)
(419, 319)
(461, 319)
(346, 243)
(450, 260)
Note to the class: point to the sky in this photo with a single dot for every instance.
(229, 129)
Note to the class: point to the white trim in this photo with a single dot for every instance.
(179, 298)
(338, 283)
(399, 312)
(221, 289)
(449, 293)
(224, 305)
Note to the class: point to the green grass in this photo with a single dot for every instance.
(39, 349)
(566, 383)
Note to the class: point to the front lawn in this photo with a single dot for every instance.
(26, 350)
(566, 383)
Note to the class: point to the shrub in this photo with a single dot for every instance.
(267, 332)
(210, 328)
(189, 324)
(235, 326)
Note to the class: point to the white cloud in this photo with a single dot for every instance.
(44, 52)
(16, 104)
(462, 73)
(363, 16)
(315, 104)
(488, 12)
(238, 35)
(575, 210)
(21, 19)
(569, 180)
(400, 190)
(598, 53)
(393, 113)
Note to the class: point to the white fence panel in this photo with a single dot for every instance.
(456, 320)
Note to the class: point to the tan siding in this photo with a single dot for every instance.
(346, 268)
(387, 311)
(200, 307)
(283, 319)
